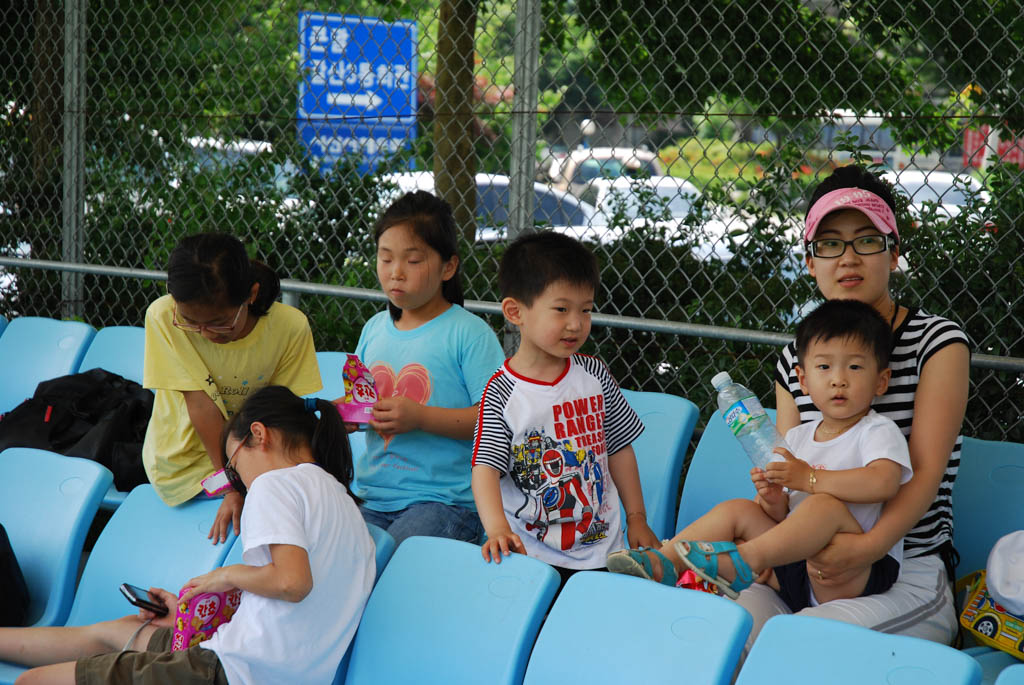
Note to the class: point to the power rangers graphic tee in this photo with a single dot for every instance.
(550, 442)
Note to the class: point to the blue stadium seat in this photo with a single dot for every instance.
(647, 633)
(660, 452)
(3, 324)
(992, 661)
(118, 349)
(986, 506)
(441, 614)
(986, 499)
(385, 547)
(48, 504)
(719, 470)
(384, 544)
(34, 349)
(145, 543)
(332, 365)
(801, 650)
(1014, 675)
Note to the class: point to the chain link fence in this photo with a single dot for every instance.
(679, 138)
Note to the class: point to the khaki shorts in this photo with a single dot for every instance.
(158, 664)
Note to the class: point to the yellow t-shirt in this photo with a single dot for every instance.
(278, 351)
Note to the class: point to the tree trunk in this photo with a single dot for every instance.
(454, 153)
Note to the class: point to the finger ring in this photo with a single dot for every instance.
(820, 577)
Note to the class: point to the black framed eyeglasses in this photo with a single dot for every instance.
(198, 328)
(831, 248)
(229, 470)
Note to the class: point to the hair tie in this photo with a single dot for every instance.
(310, 404)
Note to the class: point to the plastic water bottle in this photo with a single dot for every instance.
(747, 420)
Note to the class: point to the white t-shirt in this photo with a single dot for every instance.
(274, 641)
(551, 443)
(873, 437)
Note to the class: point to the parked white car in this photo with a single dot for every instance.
(575, 170)
(552, 208)
(944, 189)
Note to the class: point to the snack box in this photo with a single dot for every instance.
(199, 618)
(989, 622)
(360, 392)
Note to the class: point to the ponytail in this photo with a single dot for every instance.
(431, 220)
(214, 268)
(296, 420)
(270, 287)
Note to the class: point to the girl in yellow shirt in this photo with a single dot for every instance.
(217, 337)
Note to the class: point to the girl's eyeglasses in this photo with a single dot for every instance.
(199, 328)
(229, 470)
(830, 248)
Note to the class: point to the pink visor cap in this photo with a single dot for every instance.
(873, 207)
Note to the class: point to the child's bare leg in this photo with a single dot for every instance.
(42, 646)
(802, 534)
(55, 674)
(735, 519)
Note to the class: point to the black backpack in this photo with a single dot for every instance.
(97, 415)
(14, 598)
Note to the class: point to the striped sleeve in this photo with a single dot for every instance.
(492, 437)
(937, 334)
(621, 424)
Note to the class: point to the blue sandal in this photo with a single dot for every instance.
(702, 558)
(635, 562)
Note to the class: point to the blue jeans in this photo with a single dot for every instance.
(428, 518)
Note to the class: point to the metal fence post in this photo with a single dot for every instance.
(73, 179)
(526, 48)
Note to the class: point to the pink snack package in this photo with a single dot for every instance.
(360, 392)
(199, 618)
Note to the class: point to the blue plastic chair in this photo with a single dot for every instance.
(660, 452)
(801, 650)
(35, 349)
(332, 365)
(441, 614)
(986, 506)
(145, 543)
(719, 471)
(48, 503)
(1014, 675)
(992, 661)
(3, 324)
(986, 499)
(118, 349)
(648, 633)
(384, 545)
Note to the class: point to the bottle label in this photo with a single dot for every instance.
(739, 414)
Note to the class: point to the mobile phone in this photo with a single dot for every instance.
(142, 599)
(216, 483)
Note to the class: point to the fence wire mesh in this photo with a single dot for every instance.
(679, 138)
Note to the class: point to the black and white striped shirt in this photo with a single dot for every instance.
(915, 341)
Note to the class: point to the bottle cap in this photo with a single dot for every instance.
(720, 380)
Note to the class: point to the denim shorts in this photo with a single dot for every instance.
(795, 585)
(435, 519)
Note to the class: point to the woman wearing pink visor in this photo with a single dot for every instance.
(852, 247)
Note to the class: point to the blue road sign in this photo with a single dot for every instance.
(328, 142)
(357, 86)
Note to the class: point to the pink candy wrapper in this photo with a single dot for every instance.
(360, 392)
(199, 618)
